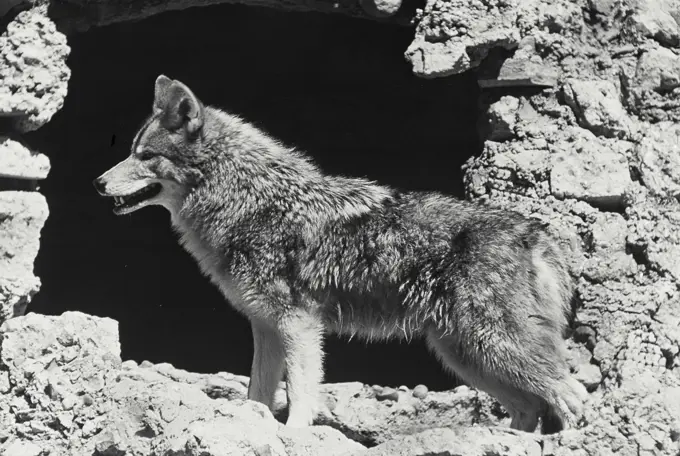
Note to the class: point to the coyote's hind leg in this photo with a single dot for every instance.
(268, 363)
(523, 407)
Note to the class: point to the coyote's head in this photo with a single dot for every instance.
(166, 155)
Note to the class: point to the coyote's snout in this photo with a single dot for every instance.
(132, 184)
(301, 253)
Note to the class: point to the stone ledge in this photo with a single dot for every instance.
(19, 162)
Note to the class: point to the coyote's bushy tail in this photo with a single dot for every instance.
(563, 397)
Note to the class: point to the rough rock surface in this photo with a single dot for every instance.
(461, 441)
(66, 392)
(359, 411)
(22, 216)
(449, 29)
(16, 161)
(33, 72)
(581, 131)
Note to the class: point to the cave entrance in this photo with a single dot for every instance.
(336, 87)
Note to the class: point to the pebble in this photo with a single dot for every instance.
(420, 392)
(89, 429)
(68, 402)
(87, 400)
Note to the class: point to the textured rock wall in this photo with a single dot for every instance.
(581, 130)
(33, 82)
(33, 70)
(22, 215)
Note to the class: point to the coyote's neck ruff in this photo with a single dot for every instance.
(302, 254)
(248, 174)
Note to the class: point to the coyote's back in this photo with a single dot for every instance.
(419, 259)
(301, 253)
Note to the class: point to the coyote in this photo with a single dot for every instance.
(303, 254)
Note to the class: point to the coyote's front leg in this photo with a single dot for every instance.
(268, 363)
(302, 335)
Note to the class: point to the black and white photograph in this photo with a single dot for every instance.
(339, 227)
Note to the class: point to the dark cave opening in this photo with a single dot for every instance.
(337, 88)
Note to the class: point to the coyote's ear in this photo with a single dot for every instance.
(162, 84)
(181, 108)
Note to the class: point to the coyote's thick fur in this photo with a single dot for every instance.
(302, 254)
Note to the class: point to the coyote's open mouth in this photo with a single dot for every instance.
(127, 203)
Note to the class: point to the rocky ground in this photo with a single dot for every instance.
(582, 102)
(65, 391)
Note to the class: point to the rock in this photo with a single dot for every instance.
(651, 85)
(129, 412)
(603, 7)
(502, 117)
(519, 72)
(381, 8)
(610, 259)
(454, 36)
(420, 392)
(353, 408)
(33, 69)
(524, 69)
(22, 216)
(657, 70)
(589, 375)
(611, 265)
(658, 19)
(431, 60)
(317, 440)
(362, 417)
(658, 155)
(115, 408)
(598, 108)
(17, 161)
(608, 231)
(470, 441)
(654, 231)
(589, 170)
(387, 394)
(22, 449)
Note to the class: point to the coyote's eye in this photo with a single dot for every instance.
(145, 155)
